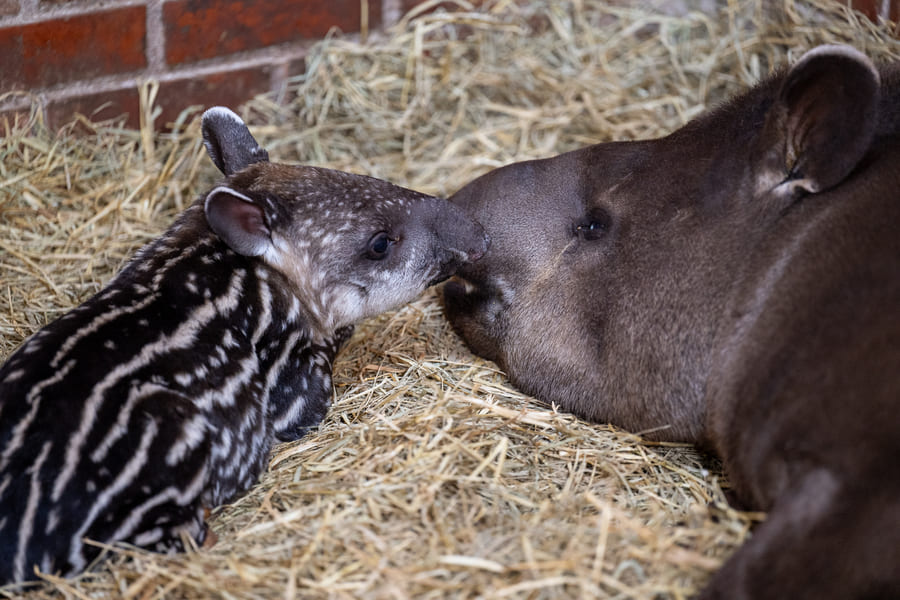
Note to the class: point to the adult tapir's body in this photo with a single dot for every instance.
(735, 284)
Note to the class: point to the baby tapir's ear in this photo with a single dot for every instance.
(822, 121)
(238, 220)
(228, 141)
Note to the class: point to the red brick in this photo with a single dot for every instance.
(12, 67)
(72, 48)
(226, 88)
(873, 8)
(867, 7)
(9, 7)
(201, 29)
(100, 106)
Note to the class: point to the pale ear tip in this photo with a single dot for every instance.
(220, 112)
(844, 50)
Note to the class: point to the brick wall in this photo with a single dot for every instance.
(875, 9)
(88, 56)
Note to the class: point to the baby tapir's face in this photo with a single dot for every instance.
(351, 246)
(354, 246)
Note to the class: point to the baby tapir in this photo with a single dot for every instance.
(735, 284)
(161, 396)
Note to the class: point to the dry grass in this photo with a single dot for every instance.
(431, 477)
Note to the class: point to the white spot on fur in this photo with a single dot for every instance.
(228, 340)
(52, 521)
(265, 300)
(14, 375)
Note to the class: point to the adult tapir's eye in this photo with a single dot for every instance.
(594, 225)
(379, 246)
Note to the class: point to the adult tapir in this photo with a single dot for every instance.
(735, 284)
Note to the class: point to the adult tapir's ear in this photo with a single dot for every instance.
(822, 121)
(239, 221)
(228, 141)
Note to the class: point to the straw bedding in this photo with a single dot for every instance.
(431, 477)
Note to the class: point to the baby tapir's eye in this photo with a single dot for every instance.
(594, 225)
(379, 246)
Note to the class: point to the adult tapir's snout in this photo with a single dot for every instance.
(517, 206)
(735, 284)
(473, 300)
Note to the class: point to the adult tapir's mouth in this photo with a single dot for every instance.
(476, 310)
(468, 295)
(456, 295)
(459, 286)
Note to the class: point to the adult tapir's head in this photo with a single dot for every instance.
(611, 267)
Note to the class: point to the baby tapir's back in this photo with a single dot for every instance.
(147, 404)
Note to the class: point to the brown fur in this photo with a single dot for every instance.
(736, 285)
